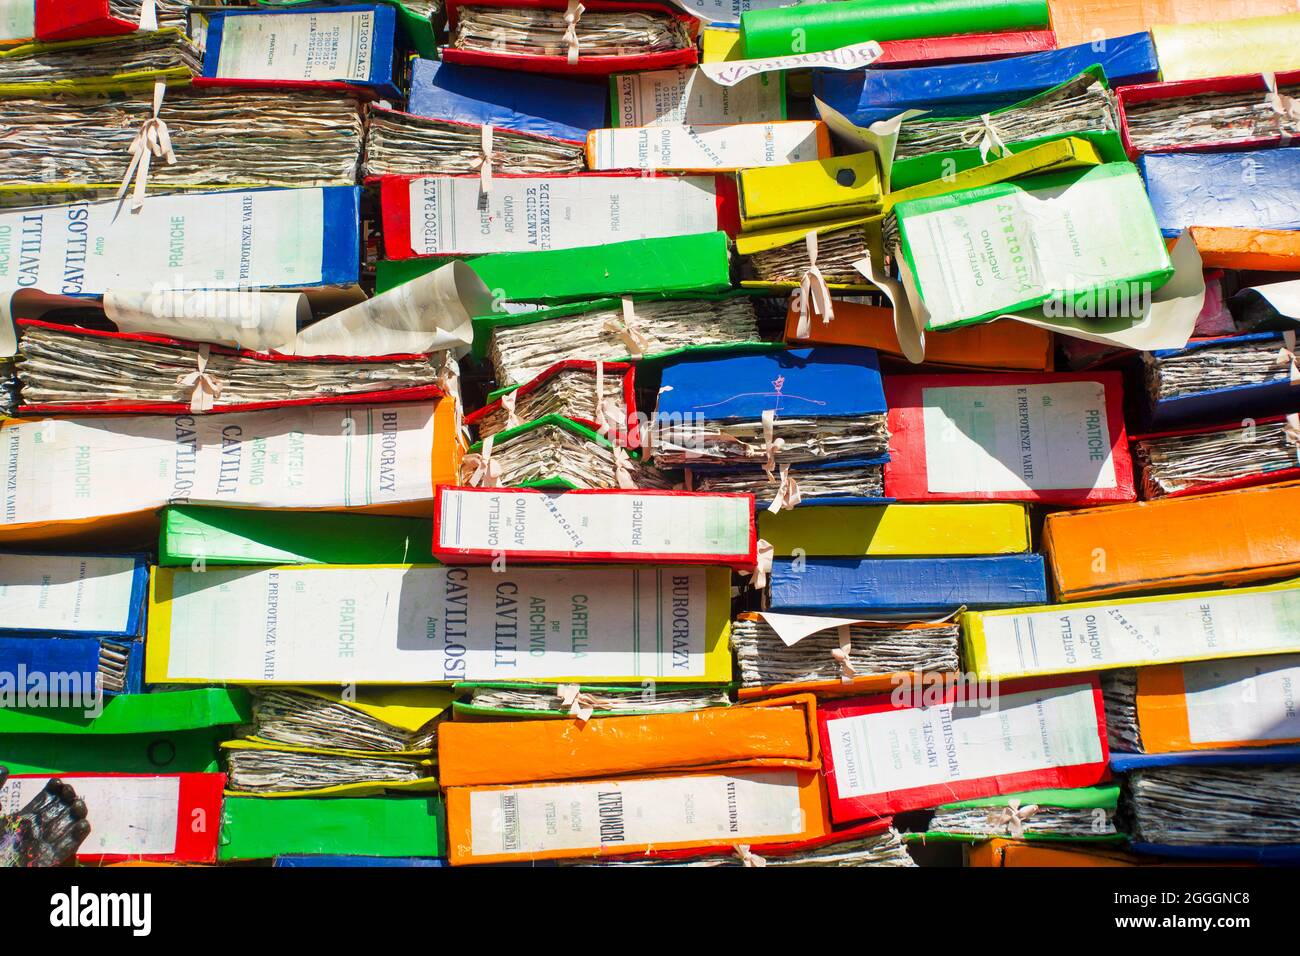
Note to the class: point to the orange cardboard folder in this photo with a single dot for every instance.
(1013, 853)
(634, 815)
(769, 733)
(993, 345)
(1266, 250)
(1087, 21)
(1223, 539)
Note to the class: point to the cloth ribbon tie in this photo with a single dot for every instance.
(608, 415)
(487, 473)
(748, 857)
(635, 342)
(581, 706)
(763, 566)
(148, 15)
(771, 445)
(1286, 107)
(813, 292)
(484, 163)
(204, 388)
(1013, 816)
(622, 469)
(787, 492)
(508, 405)
(841, 655)
(152, 139)
(572, 14)
(1286, 357)
(988, 137)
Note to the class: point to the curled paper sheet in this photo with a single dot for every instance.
(1166, 322)
(853, 57)
(245, 319)
(1281, 297)
(880, 138)
(427, 314)
(793, 628)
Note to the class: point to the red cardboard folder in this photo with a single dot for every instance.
(136, 816)
(451, 520)
(621, 377)
(1088, 434)
(587, 65)
(867, 744)
(412, 394)
(1246, 481)
(963, 48)
(395, 201)
(1126, 96)
(78, 20)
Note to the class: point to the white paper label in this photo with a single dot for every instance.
(1017, 438)
(629, 523)
(705, 147)
(336, 625)
(608, 814)
(265, 238)
(731, 72)
(1252, 698)
(56, 592)
(1067, 638)
(301, 46)
(996, 254)
(526, 214)
(17, 19)
(302, 457)
(688, 97)
(128, 816)
(935, 746)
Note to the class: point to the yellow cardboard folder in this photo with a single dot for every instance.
(842, 187)
(1133, 632)
(422, 624)
(929, 530)
(363, 788)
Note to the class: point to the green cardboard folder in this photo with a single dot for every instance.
(694, 263)
(815, 28)
(171, 732)
(915, 170)
(254, 828)
(220, 536)
(1101, 797)
(1080, 236)
(485, 324)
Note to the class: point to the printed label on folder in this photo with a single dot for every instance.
(1017, 438)
(688, 97)
(309, 457)
(58, 592)
(612, 813)
(522, 215)
(128, 816)
(1243, 699)
(411, 624)
(1014, 248)
(272, 237)
(1148, 632)
(17, 19)
(705, 147)
(933, 746)
(623, 524)
(316, 46)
